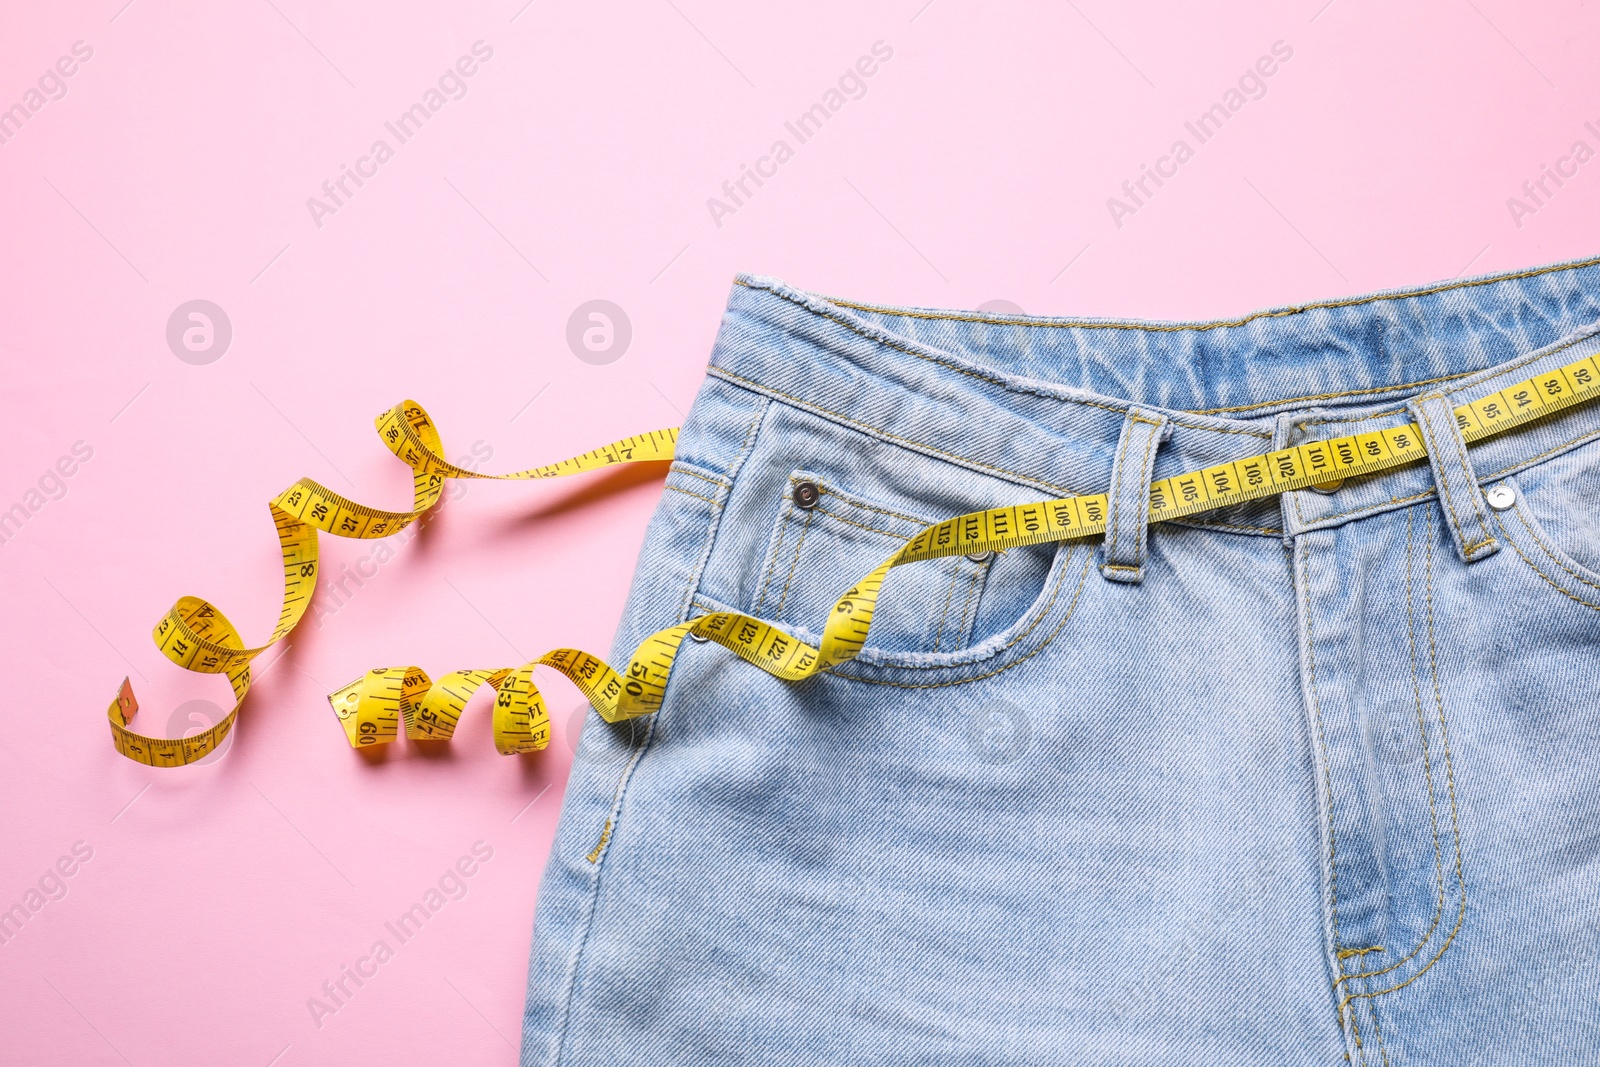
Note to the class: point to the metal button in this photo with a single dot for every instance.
(1328, 488)
(1501, 497)
(806, 495)
(980, 557)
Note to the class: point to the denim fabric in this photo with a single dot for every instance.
(1322, 787)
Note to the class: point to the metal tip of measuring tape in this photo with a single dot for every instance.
(125, 706)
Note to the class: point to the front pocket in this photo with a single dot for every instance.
(1554, 523)
(1542, 551)
(817, 552)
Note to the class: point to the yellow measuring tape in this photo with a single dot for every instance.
(198, 637)
(372, 708)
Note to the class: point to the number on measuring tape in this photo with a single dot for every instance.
(372, 709)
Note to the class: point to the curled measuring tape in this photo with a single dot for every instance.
(372, 707)
(198, 637)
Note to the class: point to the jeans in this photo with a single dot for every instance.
(1310, 780)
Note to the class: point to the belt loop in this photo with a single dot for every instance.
(1460, 497)
(1128, 500)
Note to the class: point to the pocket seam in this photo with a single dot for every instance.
(1040, 611)
(1555, 556)
(857, 502)
(1062, 625)
(794, 564)
(968, 614)
(788, 517)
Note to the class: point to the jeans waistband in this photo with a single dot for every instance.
(1042, 401)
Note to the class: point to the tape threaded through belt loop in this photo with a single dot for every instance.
(1461, 499)
(1128, 499)
(198, 637)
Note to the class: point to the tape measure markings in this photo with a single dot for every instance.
(373, 708)
(197, 636)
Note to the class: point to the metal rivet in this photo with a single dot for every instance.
(806, 495)
(1328, 488)
(701, 638)
(1501, 497)
(980, 557)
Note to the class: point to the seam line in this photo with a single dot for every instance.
(592, 894)
(697, 496)
(1141, 518)
(1500, 371)
(1065, 618)
(1295, 309)
(1118, 475)
(1427, 770)
(1455, 821)
(794, 564)
(1006, 384)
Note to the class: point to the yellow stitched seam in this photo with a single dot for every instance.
(605, 836)
(1065, 618)
(1145, 470)
(1297, 309)
(863, 505)
(678, 469)
(949, 595)
(1346, 953)
(1322, 742)
(969, 610)
(1512, 541)
(1120, 567)
(808, 405)
(966, 607)
(772, 563)
(1555, 557)
(1366, 507)
(1006, 384)
(1203, 525)
(1376, 1029)
(1118, 474)
(1450, 780)
(1427, 771)
(697, 496)
(1363, 418)
(836, 517)
(795, 564)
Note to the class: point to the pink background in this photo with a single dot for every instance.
(177, 166)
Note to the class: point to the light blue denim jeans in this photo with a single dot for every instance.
(1313, 780)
